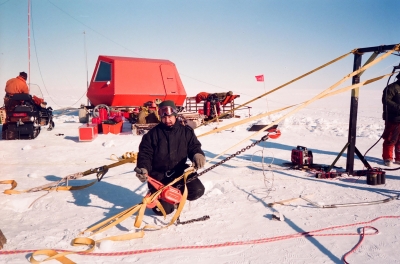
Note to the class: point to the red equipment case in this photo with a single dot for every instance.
(112, 128)
(88, 132)
(302, 156)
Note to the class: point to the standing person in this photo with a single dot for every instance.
(15, 86)
(391, 115)
(163, 153)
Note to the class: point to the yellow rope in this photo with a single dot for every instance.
(128, 157)
(281, 86)
(247, 120)
(318, 96)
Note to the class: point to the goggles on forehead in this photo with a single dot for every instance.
(167, 111)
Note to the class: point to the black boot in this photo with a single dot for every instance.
(169, 208)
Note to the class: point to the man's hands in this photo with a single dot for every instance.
(199, 160)
(141, 174)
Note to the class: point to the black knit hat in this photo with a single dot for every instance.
(162, 111)
(23, 75)
(168, 103)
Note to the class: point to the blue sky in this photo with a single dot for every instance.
(216, 45)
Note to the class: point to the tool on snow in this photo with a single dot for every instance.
(169, 194)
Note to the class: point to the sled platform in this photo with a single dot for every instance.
(141, 129)
(259, 127)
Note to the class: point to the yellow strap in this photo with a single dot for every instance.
(287, 107)
(12, 182)
(52, 254)
(159, 206)
(57, 188)
(128, 157)
(112, 221)
(320, 95)
(244, 121)
(281, 86)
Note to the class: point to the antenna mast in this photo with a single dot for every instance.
(29, 41)
(87, 74)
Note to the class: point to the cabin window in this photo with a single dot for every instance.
(103, 72)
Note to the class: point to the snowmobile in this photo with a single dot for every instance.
(24, 117)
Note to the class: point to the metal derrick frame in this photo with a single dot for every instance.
(351, 143)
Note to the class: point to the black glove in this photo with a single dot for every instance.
(141, 174)
(199, 160)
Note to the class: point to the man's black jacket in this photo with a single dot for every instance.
(166, 149)
(391, 102)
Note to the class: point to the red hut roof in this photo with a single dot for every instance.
(126, 81)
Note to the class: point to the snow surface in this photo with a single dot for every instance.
(236, 198)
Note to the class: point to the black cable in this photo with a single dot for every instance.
(392, 169)
(4, 2)
(92, 28)
(37, 60)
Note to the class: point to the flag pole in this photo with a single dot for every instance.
(260, 78)
(266, 98)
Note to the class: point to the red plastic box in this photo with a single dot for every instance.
(88, 132)
(114, 129)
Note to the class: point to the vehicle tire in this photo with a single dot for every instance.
(95, 112)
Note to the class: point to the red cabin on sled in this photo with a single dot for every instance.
(126, 81)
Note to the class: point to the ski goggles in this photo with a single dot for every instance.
(167, 111)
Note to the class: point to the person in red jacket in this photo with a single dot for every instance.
(201, 97)
(18, 85)
(15, 86)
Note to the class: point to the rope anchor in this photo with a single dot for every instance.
(100, 172)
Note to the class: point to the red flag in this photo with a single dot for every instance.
(260, 78)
